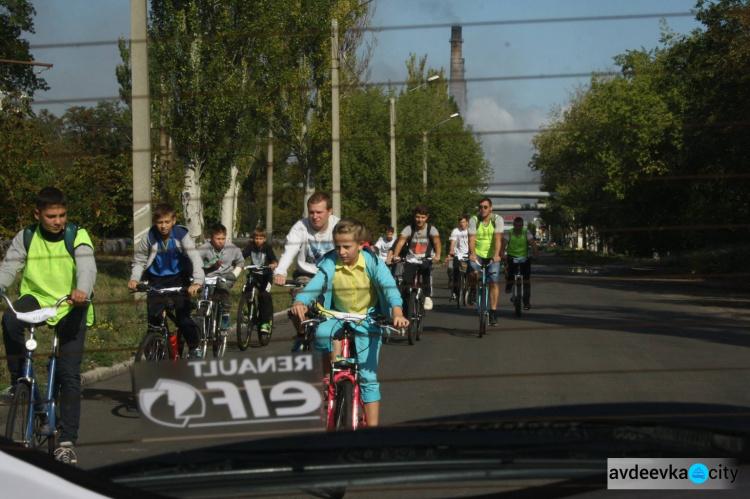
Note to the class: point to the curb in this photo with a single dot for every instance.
(104, 373)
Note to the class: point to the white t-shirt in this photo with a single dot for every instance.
(382, 246)
(307, 245)
(461, 248)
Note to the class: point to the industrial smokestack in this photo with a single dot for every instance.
(457, 87)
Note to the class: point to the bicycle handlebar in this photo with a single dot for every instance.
(40, 315)
(144, 287)
(318, 315)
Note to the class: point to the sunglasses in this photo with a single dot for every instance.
(483, 206)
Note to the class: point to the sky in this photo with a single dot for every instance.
(503, 40)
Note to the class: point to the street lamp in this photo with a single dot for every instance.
(424, 149)
(429, 80)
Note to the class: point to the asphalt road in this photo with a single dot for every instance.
(592, 345)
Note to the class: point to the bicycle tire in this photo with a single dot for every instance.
(245, 312)
(153, 348)
(411, 333)
(205, 334)
(517, 300)
(482, 299)
(344, 413)
(17, 426)
(421, 312)
(220, 345)
(53, 440)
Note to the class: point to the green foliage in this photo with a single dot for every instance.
(654, 157)
(16, 17)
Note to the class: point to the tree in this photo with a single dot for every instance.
(16, 16)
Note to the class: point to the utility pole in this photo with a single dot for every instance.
(335, 138)
(269, 187)
(141, 122)
(394, 215)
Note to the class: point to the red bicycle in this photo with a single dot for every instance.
(345, 408)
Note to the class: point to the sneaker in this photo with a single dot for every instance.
(527, 306)
(427, 303)
(265, 328)
(195, 353)
(225, 321)
(348, 360)
(454, 297)
(299, 345)
(507, 290)
(6, 397)
(493, 318)
(64, 454)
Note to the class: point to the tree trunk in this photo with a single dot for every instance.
(192, 206)
(229, 204)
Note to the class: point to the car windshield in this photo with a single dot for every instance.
(535, 214)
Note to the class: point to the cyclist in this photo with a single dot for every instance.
(417, 244)
(59, 260)
(485, 232)
(261, 254)
(354, 280)
(516, 244)
(458, 251)
(221, 259)
(384, 243)
(308, 239)
(166, 257)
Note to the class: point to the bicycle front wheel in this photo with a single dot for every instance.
(517, 294)
(153, 348)
(220, 344)
(344, 413)
(413, 318)
(17, 426)
(482, 300)
(245, 312)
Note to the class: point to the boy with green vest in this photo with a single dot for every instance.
(516, 244)
(485, 231)
(54, 267)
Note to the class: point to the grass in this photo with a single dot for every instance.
(120, 319)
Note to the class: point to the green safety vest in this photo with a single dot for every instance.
(50, 273)
(484, 244)
(517, 245)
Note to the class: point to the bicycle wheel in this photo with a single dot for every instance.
(17, 426)
(245, 313)
(517, 297)
(220, 344)
(421, 312)
(482, 300)
(343, 415)
(411, 333)
(153, 348)
(464, 297)
(53, 440)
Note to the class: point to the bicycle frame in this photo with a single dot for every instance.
(173, 347)
(346, 373)
(483, 297)
(33, 437)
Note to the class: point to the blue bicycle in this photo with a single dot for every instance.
(32, 419)
(483, 297)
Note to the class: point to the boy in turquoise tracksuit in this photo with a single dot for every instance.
(356, 281)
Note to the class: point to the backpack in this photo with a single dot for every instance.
(430, 245)
(71, 231)
(495, 216)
